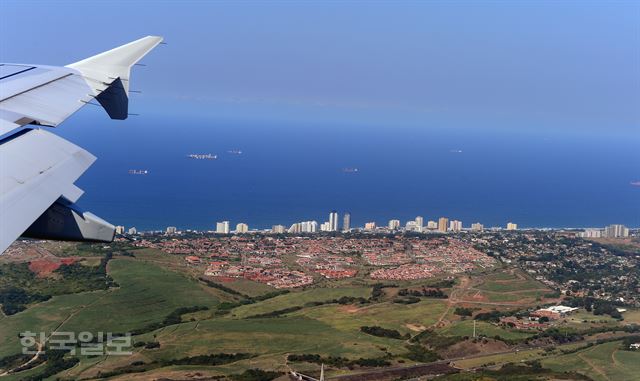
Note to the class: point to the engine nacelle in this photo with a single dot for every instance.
(65, 221)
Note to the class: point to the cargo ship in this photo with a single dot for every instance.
(202, 156)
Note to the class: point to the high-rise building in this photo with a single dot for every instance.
(455, 226)
(432, 225)
(242, 228)
(591, 233)
(304, 227)
(295, 228)
(394, 224)
(132, 231)
(171, 230)
(222, 227)
(442, 224)
(419, 223)
(477, 227)
(333, 221)
(310, 227)
(411, 226)
(326, 226)
(370, 226)
(616, 231)
(278, 229)
(346, 222)
(512, 226)
(119, 229)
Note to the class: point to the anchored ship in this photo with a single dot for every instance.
(202, 156)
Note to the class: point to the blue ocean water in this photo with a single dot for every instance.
(291, 172)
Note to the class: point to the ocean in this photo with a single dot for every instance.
(295, 171)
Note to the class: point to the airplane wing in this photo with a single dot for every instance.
(37, 168)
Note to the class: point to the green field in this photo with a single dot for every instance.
(602, 362)
(325, 330)
(386, 315)
(580, 316)
(632, 316)
(147, 293)
(269, 339)
(465, 328)
(508, 282)
(497, 297)
(248, 287)
(299, 299)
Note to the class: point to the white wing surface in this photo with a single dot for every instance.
(37, 168)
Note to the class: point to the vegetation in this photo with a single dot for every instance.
(408, 300)
(339, 362)
(222, 288)
(225, 307)
(256, 375)
(492, 316)
(626, 343)
(597, 306)
(87, 278)
(276, 313)
(210, 360)
(56, 362)
(377, 292)
(174, 317)
(152, 345)
(427, 292)
(421, 354)
(436, 340)
(344, 300)
(383, 332)
(309, 298)
(513, 372)
(135, 367)
(20, 287)
(463, 311)
(14, 300)
(611, 362)
(204, 360)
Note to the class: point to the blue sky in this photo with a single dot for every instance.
(570, 66)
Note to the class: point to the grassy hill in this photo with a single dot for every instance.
(602, 362)
(146, 294)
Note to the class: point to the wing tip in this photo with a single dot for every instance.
(124, 55)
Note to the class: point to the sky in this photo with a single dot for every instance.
(565, 66)
(543, 98)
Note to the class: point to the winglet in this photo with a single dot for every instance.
(113, 68)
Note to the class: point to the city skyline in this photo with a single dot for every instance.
(442, 225)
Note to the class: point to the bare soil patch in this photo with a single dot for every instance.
(469, 348)
(416, 327)
(46, 266)
(349, 309)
